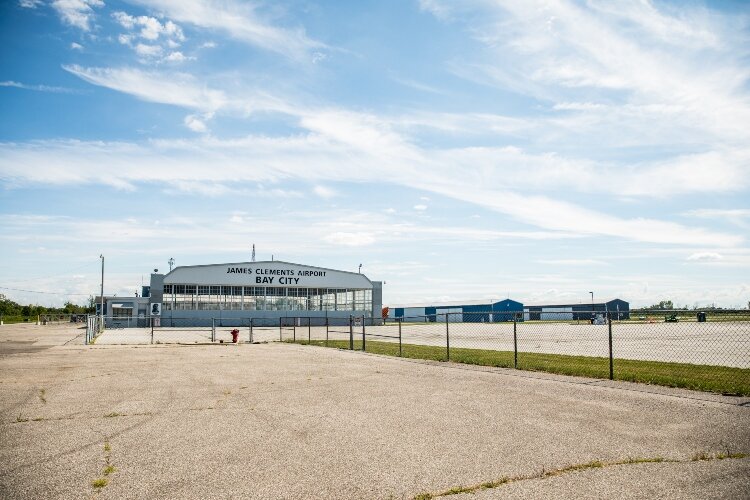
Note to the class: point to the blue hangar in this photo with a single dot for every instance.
(480, 312)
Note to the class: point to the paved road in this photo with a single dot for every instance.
(291, 421)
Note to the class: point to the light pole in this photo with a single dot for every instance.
(592, 304)
(101, 295)
(360, 269)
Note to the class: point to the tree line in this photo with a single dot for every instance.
(11, 308)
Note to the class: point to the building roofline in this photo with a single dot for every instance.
(267, 262)
(454, 304)
(577, 304)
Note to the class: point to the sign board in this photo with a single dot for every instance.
(269, 274)
(156, 309)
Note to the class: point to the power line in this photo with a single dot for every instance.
(46, 293)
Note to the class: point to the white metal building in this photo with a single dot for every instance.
(269, 289)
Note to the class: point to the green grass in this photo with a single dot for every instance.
(719, 379)
(99, 483)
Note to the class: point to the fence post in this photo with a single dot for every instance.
(399, 339)
(515, 341)
(294, 331)
(363, 333)
(351, 333)
(213, 329)
(251, 330)
(447, 339)
(152, 329)
(309, 329)
(611, 366)
(280, 336)
(326, 331)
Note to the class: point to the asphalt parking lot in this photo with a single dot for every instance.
(289, 421)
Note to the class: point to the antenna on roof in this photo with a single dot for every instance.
(253, 258)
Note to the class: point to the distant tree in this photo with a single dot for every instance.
(8, 307)
(664, 304)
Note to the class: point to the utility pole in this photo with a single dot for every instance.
(253, 258)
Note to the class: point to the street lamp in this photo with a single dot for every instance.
(360, 269)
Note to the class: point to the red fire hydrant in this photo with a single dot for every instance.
(235, 333)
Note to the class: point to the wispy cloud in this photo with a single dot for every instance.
(39, 88)
(179, 89)
(326, 156)
(78, 13)
(30, 4)
(241, 21)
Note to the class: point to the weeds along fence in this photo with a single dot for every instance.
(42, 319)
(703, 350)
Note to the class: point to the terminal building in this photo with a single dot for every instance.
(239, 291)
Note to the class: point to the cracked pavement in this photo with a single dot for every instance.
(291, 421)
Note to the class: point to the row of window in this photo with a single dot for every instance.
(250, 298)
(261, 291)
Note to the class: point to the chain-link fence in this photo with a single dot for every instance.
(43, 319)
(94, 328)
(704, 350)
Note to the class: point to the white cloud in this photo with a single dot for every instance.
(573, 262)
(126, 20)
(144, 50)
(175, 88)
(241, 21)
(38, 88)
(420, 207)
(76, 46)
(195, 124)
(30, 4)
(155, 37)
(317, 157)
(681, 66)
(177, 57)
(78, 13)
(324, 192)
(150, 27)
(705, 257)
(737, 216)
(358, 239)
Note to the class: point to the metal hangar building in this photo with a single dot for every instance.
(480, 312)
(242, 290)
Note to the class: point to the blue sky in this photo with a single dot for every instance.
(458, 150)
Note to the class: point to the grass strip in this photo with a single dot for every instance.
(707, 378)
